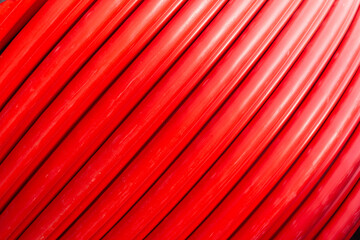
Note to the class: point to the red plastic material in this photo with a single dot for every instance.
(168, 45)
(289, 143)
(59, 66)
(108, 169)
(307, 170)
(346, 219)
(187, 71)
(257, 226)
(337, 183)
(34, 41)
(179, 119)
(80, 93)
(14, 15)
(245, 101)
(327, 142)
(145, 119)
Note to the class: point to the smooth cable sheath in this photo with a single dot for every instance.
(88, 135)
(33, 42)
(57, 69)
(346, 219)
(82, 91)
(320, 152)
(170, 184)
(307, 170)
(281, 153)
(171, 90)
(78, 45)
(260, 131)
(169, 44)
(14, 15)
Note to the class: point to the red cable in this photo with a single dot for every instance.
(159, 56)
(258, 226)
(174, 180)
(59, 66)
(14, 15)
(185, 74)
(105, 171)
(346, 220)
(83, 90)
(78, 45)
(260, 130)
(195, 215)
(169, 93)
(345, 117)
(348, 158)
(207, 94)
(332, 179)
(147, 119)
(307, 170)
(281, 153)
(33, 42)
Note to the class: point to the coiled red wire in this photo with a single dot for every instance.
(179, 119)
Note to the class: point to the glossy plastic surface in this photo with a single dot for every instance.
(179, 119)
(168, 45)
(32, 44)
(14, 15)
(81, 92)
